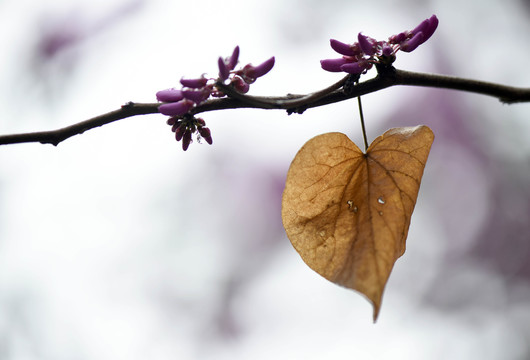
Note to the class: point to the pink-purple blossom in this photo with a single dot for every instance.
(178, 108)
(228, 64)
(179, 103)
(169, 95)
(194, 83)
(250, 73)
(360, 56)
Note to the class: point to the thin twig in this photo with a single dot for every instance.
(54, 137)
(292, 103)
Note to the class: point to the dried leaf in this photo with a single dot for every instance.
(348, 213)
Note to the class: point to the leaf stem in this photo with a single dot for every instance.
(363, 127)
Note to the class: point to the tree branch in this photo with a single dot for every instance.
(387, 76)
(54, 137)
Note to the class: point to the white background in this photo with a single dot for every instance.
(116, 244)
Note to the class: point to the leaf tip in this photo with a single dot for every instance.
(376, 312)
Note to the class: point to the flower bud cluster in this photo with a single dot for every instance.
(359, 57)
(242, 78)
(186, 126)
(178, 103)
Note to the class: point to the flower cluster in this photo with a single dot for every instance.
(359, 57)
(178, 103)
(186, 126)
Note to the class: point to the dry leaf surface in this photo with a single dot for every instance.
(347, 213)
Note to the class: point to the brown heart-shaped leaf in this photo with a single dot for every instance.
(347, 213)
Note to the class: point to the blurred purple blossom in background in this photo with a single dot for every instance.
(114, 245)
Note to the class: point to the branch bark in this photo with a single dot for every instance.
(387, 77)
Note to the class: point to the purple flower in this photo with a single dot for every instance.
(427, 27)
(224, 72)
(367, 44)
(250, 73)
(360, 56)
(412, 43)
(169, 95)
(228, 64)
(179, 131)
(410, 40)
(194, 83)
(334, 65)
(240, 85)
(172, 120)
(399, 38)
(387, 50)
(186, 139)
(232, 61)
(197, 96)
(206, 134)
(178, 108)
(356, 67)
(345, 49)
(187, 126)
(179, 103)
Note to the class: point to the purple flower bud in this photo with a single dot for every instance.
(224, 72)
(399, 38)
(433, 24)
(367, 44)
(232, 61)
(421, 27)
(356, 67)
(201, 122)
(169, 95)
(206, 134)
(410, 40)
(427, 27)
(250, 73)
(197, 96)
(240, 85)
(186, 140)
(387, 50)
(172, 120)
(179, 132)
(175, 126)
(194, 83)
(176, 108)
(344, 49)
(413, 43)
(334, 65)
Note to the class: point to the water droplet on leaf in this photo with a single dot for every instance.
(381, 200)
(352, 206)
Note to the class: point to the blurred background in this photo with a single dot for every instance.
(118, 245)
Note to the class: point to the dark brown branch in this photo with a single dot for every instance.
(54, 137)
(292, 103)
(506, 94)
